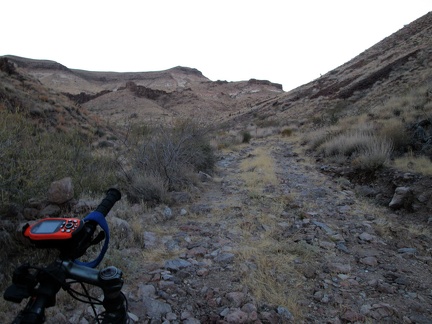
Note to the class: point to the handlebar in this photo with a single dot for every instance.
(112, 196)
(84, 240)
(43, 285)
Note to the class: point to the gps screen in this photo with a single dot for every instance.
(47, 227)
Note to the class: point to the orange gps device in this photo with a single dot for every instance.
(53, 229)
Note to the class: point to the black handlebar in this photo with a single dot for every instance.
(54, 276)
(83, 240)
(112, 196)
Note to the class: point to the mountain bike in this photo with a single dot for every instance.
(71, 237)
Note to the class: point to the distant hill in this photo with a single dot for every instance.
(180, 91)
(392, 67)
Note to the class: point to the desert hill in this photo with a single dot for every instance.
(392, 67)
(175, 92)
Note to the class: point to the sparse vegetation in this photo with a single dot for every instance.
(266, 262)
(32, 159)
(258, 172)
(270, 274)
(163, 159)
(417, 164)
(369, 140)
(273, 229)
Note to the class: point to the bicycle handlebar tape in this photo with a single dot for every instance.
(112, 196)
(98, 216)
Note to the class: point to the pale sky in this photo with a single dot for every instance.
(283, 41)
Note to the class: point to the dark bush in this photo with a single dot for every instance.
(6, 67)
(246, 137)
(286, 132)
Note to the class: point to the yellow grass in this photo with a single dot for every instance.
(420, 164)
(270, 274)
(258, 170)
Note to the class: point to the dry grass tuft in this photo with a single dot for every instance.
(318, 137)
(259, 171)
(374, 155)
(395, 131)
(270, 274)
(376, 134)
(416, 164)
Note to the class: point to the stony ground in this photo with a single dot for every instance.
(303, 249)
(350, 261)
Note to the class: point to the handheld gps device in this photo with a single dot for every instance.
(50, 229)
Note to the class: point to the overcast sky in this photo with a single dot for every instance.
(284, 41)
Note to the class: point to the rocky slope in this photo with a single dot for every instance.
(397, 64)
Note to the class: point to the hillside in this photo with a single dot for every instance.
(22, 93)
(394, 66)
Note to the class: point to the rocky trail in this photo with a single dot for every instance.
(345, 264)
(276, 243)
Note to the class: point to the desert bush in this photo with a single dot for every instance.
(286, 132)
(318, 137)
(395, 131)
(7, 67)
(346, 143)
(246, 137)
(367, 149)
(164, 159)
(374, 155)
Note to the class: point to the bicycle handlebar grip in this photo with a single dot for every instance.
(112, 196)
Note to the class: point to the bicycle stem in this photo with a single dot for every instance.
(108, 279)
